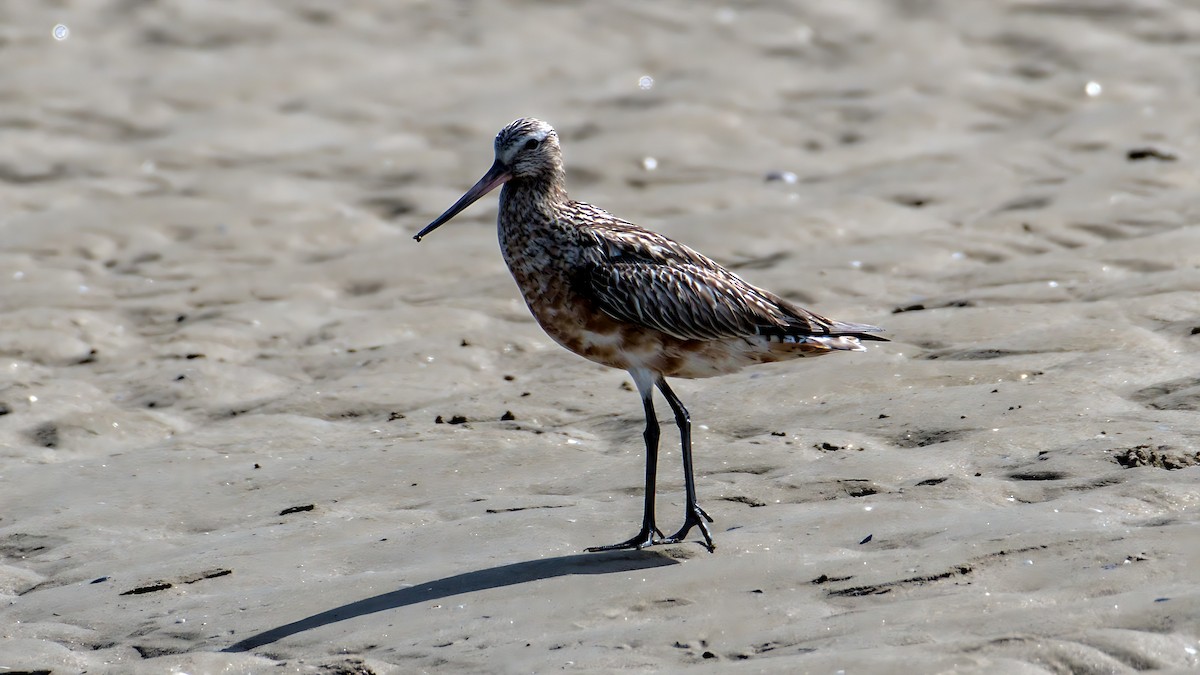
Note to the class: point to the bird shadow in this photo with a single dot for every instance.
(492, 577)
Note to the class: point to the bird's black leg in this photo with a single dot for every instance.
(645, 537)
(694, 516)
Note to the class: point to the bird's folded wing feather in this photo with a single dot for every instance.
(685, 301)
(642, 277)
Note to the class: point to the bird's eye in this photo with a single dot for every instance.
(531, 144)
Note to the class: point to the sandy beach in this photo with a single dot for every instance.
(248, 425)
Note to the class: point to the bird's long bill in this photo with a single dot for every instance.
(495, 176)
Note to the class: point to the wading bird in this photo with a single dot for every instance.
(628, 298)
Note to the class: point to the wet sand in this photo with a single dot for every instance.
(224, 359)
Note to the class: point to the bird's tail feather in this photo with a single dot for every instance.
(862, 331)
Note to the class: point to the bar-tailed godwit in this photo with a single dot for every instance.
(629, 298)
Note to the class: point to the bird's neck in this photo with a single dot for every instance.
(529, 198)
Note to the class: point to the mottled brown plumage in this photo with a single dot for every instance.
(629, 298)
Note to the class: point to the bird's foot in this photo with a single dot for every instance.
(640, 540)
(695, 517)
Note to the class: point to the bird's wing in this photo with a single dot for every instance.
(643, 277)
(685, 301)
